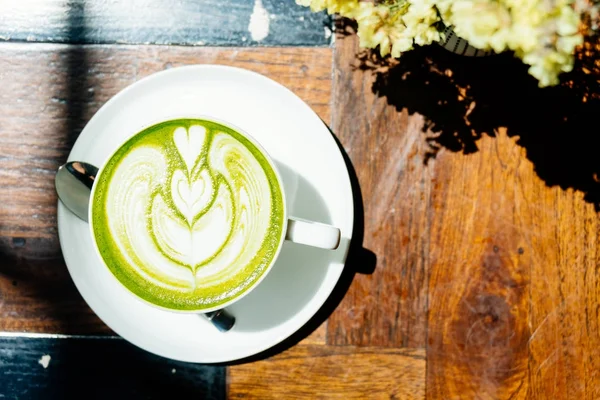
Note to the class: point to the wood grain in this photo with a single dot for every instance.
(389, 307)
(514, 292)
(479, 289)
(60, 368)
(185, 22)
(564, 346)
(47, 93)
(488, 252)
(332, 372)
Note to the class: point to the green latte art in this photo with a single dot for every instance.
(188, 214)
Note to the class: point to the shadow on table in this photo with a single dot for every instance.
(360, 260)
(463, 98)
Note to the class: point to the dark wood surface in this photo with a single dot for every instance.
(44, 367)
(389, 307)
(184, 22)
(480, 210)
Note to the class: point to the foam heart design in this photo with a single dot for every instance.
(192, 245)
(192, 197)
(189, 144)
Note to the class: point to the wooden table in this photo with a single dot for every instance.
(479, 207)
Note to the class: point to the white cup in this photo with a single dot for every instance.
(295, 230)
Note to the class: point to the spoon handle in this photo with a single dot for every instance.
(83, 172)
(221, 319)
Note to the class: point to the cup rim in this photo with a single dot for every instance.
(247, 136)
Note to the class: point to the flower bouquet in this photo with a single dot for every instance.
(544, 34)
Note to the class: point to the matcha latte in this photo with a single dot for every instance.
(188, 214)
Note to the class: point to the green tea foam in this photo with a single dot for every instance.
(188, 214)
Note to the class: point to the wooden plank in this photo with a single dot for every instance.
(514, 290)
(505, 221)
(513, 287)
(389, 307)
(332, 372)
(185, 22)
(480, 275)
(318, 336)
(53, 368)
(47, 93)
(564, 347)
(36, 291)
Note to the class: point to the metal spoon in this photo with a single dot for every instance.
(74, 182)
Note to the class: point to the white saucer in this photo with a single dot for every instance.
(317, 187)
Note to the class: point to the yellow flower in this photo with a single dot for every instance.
(375, 25)
(315, 5)
(396, 29)
(543, 33)
(419, 20)
(346, 8)
(343, 7)
(483, 23)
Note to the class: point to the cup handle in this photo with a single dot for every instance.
(313, 234)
